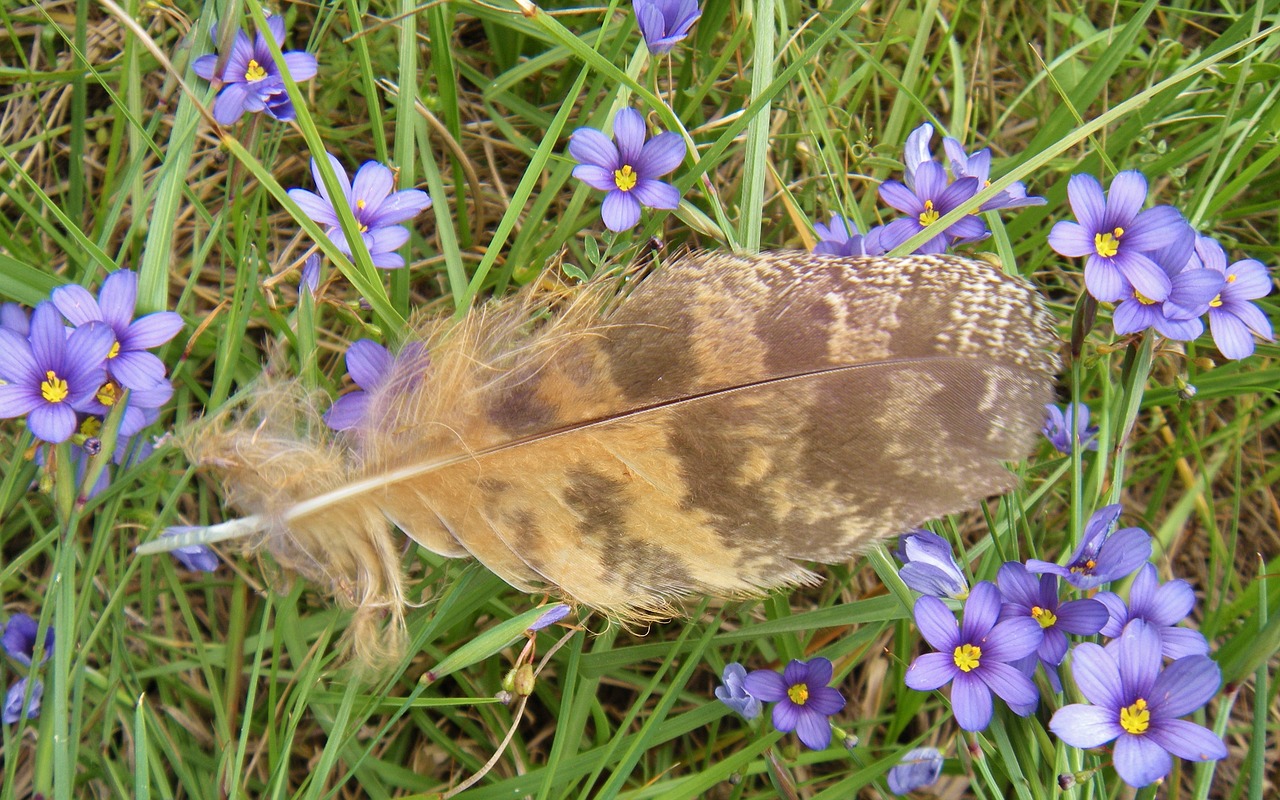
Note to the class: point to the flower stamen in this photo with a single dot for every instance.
(107, 394)
(1142, 298)
(114, 351)
(254, 72)
(625, 179)
(930, 215)
(799, 693)
(967, 657)
(1216, 302)
(1108, 244)
(53, 389)
(1136, 717)
(1044, 616)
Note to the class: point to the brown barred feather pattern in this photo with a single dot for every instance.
(729, 417)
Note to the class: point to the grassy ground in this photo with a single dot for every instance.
(169, 683)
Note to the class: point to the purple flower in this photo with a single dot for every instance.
(1068, 427)
(371, 366)
(49, 375)
(919, 768)
(1137, 705)
(309, 279)
(19, 640)
(627, 168)
(1178, 316)
(664, 23)
(1117, 236)
(142, 407)
(1161, 607)
(1103, 556)
(803, 700)
(13, 708)
(975, 657)
(734, 692)
(377, 209)
(196, 558)
(251, 78)
(551, 616)
(930, 200)
(129, 364)
(978, 166)
(841, 238)
(928, 565)
(1025, 596)
(1232, 317)
(15, 318)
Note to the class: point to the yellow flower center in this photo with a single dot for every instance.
(1044, 616)
(1135, 718)
(1216, 302)
(107, 394)
(799, 694)
(967, 657)
(929, 215)
(1142, 298)
(625, 178)
(1086, 568)
(255, 72)
(1108, 244)
(114, 351)
(92, 426)
(53, 388)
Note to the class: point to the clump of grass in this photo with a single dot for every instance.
(171, 683)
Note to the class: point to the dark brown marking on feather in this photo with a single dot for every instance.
(650, 352)
(518, 408)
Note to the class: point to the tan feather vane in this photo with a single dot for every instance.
(729, 416)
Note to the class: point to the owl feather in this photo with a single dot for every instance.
(726, 418)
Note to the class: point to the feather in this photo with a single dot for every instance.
(727, 418)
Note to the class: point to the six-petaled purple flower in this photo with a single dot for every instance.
(1027, 596)
(20, 637)
(1162, 607)
(929, 567)
(250, 78)
(840, 237)
(1117, 236)
(627, 168)
(803, 701)
(975, 657)
(49, 376)
(733, 691)
(1137, 705)
(665, 23)
(929, 201)
(1068, 428)
(1233, 318)
(1102, 556)
(378, 209)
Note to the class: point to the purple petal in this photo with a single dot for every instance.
(660, 155)
(1105, 281)
(930, 671)
(1230, 334)
(384, 240)
(204, 65)
(197, 558)
(656, 194)
(17, 361)
(1117, 613)
(48, 338)
(981, 610)
(17, 400)
(348, 411)
(766, 685)
(1140, 761)
(368, 363)
(1187, 740)
(315, 207)
(230, 104)
(969, 229)
(1098, 676)
(1160, 605)
(151, 330)
(971, 700)
(629, 134)
(955, 194)
(1247, 280)
(918, 769)
(590, 146)
(118, 298)
(1016, 584)
(1122, 553)
(1082, 617)
(1047, 567)
(76, 304)
(899, 231)
(795, 672)
(1053, 647)
(1145, 275)
(1012, 639)
(52, 422)
(1085, 726)
(1011, 685)
(343, 182)
(596, 177)
(372, 184)
(785, 714)
(1127, 193)
(1133, 316)
(1179, 330)
(301, 66)
(400, 207)
(937, 624)
(1153, 229)
(813, 729)
(238, 59)
(900, 198)
(818, 672)
(1184, 686)
(387, 260)
(620, 211)
(14, 709)
(86, 350)
(931, 181)
(275, 26)
(137, 370)
(1138, 654)
(1182, 642)
(927, 578)
(1088, 203)
(824, 700)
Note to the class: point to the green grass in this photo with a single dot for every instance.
(165, 683)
